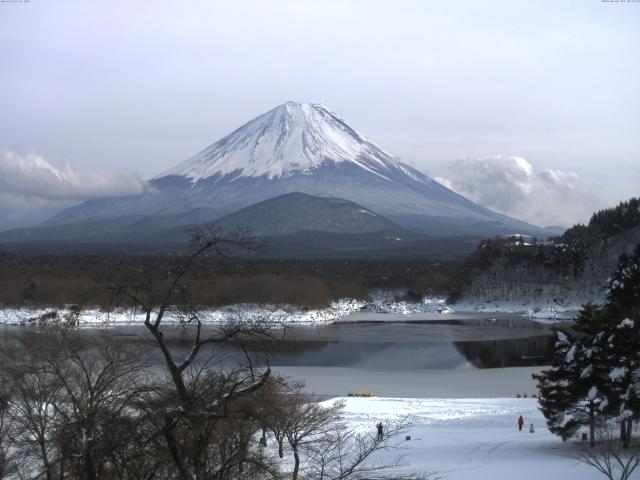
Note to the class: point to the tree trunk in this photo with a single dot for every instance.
(296, 465)
(280, 448)
(62, 459)
(199, 471)
(243, 453)
(623, 431)
(45, 461)
(89, 467)
(627, 436)
(167, 433)
(592, 425)
(174, 371)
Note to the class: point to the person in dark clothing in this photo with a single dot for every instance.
(379, 426)
(520, 423)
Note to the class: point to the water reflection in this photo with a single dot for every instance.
(525, 352)
(442, 343)
(390, 355)
(518, 352)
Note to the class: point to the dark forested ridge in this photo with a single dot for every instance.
(30, 279)
(609, 222)
(570, 268)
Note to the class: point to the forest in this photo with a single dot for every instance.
(31, 279)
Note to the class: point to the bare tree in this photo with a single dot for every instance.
(345, 454)
(34, 392)
(98, 381)
(322, 446)
(192, 405)
(7, 464)
(610, 457)
(68, 396)
(275, 413)
(304, 423)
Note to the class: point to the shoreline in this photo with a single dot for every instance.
(464, 382)
(341, 311)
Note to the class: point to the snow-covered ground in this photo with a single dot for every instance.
(273, 313)
(537, 311)
(382, 303)
(464, 439)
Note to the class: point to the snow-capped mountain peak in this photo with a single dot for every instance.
(305, 148)
(291, 138)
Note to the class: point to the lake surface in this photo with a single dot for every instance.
(442, 343)
(419, 356)
(428, 355)
(428, 341)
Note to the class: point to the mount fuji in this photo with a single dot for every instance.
(295, 147)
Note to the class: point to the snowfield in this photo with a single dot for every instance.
(464, 439)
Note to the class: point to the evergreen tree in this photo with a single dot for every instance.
(596, 370)
(622, 312)
(589, 321)
(620, 362)
(623, 294)
(569, 396)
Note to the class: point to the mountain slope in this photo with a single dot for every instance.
(297, 212)
(289, 214)
(304, 148)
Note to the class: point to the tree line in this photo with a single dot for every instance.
(578, 256)
(29, 279)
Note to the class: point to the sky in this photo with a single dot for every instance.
(530, 108)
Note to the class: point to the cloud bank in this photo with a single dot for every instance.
(32, 175)
(512, 186)
(32, 189)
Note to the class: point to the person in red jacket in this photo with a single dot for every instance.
(520, 423)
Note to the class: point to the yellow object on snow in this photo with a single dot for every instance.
(362, 394)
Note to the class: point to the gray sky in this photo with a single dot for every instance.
(99, 95)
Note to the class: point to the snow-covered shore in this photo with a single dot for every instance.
(464, 439)
(273, 313)
(537, 311)
(382, 304)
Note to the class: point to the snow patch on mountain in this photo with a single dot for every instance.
(291, 138)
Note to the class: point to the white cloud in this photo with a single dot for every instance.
(32, 175)
(512, 186)
(32, 189)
